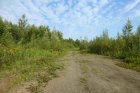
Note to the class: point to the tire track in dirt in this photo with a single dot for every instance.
(86, 73)
(69, 80)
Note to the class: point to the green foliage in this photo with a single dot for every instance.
(126, 46)
(27, 36)
(26, 50)
(83, 44)
(2, 26)
(101, 45)
(6, 56)
(15, 33)
(22, 22)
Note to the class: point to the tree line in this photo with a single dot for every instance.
(22, 36)
(125, 46)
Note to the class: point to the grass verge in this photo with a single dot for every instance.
(133, 66)
(29, 64)
(129, 63)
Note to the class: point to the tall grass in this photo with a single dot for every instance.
(25, 64)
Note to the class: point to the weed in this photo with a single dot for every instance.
(84, 67)
(35, 89)
(129, 65)
(83, 80)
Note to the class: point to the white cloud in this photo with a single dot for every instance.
(103, 2)
(131, 5)
(137, 13)
(79, 17)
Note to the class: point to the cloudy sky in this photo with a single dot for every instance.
(75, 18)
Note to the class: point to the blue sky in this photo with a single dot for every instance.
(75, 18)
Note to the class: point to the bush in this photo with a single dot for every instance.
(132, 60)
(7, 56)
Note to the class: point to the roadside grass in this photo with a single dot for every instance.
(83, 80)
(29, 64)
(129, 63)
(83, 66)
(94, 70)
(133, 66)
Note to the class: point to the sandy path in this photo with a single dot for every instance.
(86, 73)
(68, 82)
(93, 74)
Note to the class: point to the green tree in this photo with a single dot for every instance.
(2, 27)
(22, 24)
(127, 35)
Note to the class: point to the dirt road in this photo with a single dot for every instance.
(84, 73)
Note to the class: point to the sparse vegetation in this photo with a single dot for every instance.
(83, 80)
(84, 67)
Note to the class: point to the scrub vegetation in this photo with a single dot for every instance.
(28, 52)
(125, 46)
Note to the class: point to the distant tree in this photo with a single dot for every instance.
(136, 40)
(77, 42)
(138, 31)
(127, 30)
(60, 35)
(127, 35)
(22, 24)
(15, 33)
(42, 30)
(2, 26)
(7, 38)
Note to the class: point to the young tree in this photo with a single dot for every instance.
(2, 26)
(127, 35)
(15, 33)
(137, 39)
(22, 24)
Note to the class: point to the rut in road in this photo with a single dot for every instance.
(85, 73)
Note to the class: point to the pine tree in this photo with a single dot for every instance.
(2, 26)
(127, 35)
(22, 24)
